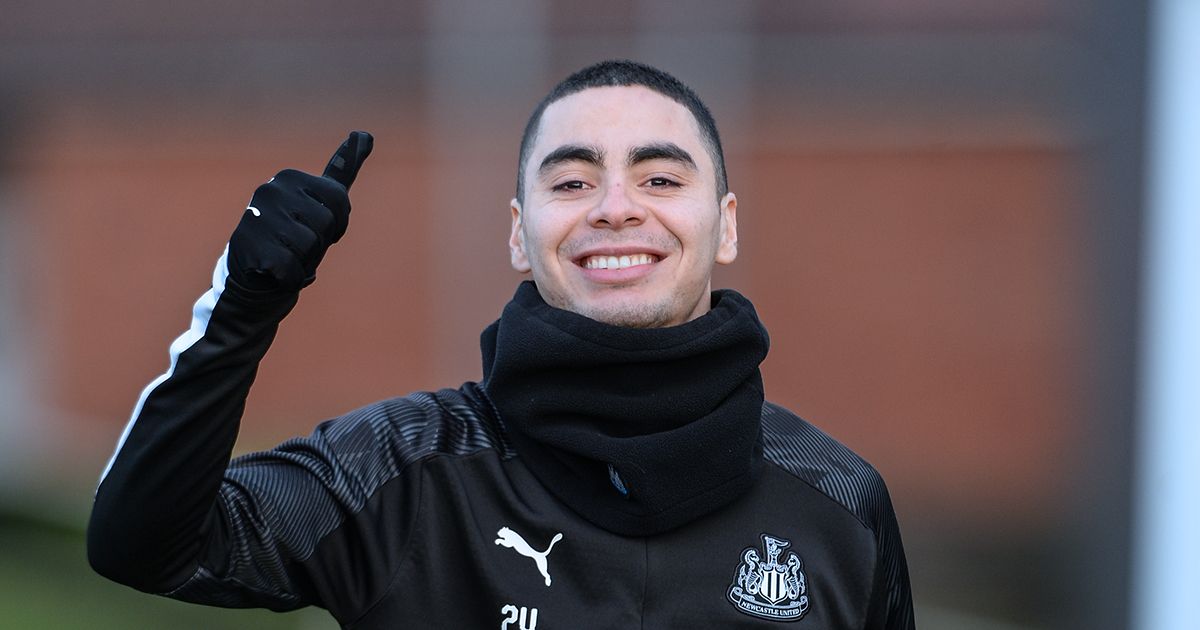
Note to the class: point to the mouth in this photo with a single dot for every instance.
(623, 261)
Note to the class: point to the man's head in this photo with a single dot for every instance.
(622, 208)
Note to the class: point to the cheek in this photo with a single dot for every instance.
(698, 238)
(542, 240)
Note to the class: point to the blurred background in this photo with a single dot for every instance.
(940, 210)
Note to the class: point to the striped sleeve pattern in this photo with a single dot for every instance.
(825, 464)
(299, 493)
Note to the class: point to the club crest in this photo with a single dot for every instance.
(774, 588)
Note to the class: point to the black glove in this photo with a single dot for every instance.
(292, 219)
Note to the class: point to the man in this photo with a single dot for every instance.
(616, 467)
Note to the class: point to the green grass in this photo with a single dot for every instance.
(45, 582)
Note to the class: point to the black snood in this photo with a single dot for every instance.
(638, 430)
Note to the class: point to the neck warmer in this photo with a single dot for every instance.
(637, 430)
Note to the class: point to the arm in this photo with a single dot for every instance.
(892, 605)
(160, 507)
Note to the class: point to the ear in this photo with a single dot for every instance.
(516, 240)
(727, 247)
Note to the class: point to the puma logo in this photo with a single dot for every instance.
(513, 540)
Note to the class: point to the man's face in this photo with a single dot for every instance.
(621, 221)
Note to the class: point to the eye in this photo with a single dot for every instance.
(572, 185)
(661, 182)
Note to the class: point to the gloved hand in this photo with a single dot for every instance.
(292, 219)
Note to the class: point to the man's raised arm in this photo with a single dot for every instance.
(156, 507)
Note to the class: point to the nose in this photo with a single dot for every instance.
(616, 209)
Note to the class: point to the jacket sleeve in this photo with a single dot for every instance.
(892, 605)
(164, 503)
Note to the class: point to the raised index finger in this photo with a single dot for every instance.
(343, 166)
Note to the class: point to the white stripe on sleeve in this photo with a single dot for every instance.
(201, 312)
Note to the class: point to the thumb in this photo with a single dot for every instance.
(343, 166)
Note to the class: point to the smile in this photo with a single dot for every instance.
(618, 262)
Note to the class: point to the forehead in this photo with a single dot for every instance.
(616, 119)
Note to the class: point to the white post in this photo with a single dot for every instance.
(1166, 591)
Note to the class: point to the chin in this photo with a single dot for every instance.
(634, 309)
(634, 315)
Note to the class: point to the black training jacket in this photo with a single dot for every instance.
(416, 512)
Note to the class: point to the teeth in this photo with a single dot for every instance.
(617, 262)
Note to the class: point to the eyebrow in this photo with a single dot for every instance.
(661, 151)
(572, 153)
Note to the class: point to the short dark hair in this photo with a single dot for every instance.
(624, 73)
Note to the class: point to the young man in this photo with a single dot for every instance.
(616, 467)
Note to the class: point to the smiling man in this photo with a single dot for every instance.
(618, 465)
